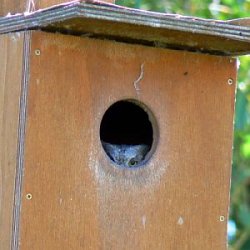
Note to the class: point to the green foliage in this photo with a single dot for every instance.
(224, 9)
(240, 190)
(183, 7)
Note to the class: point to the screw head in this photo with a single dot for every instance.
(37, 52)
(230, 81)
(28, 196)
(222, 218)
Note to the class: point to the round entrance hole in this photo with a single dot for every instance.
(127, 133)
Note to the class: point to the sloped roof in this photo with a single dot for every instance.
(109, 21)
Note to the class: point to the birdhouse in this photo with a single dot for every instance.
(116, 127)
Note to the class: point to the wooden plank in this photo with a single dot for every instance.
(11, 50)
(7, 6)
(48, 3)
(74, 198)
(20, 6)
(107, 21)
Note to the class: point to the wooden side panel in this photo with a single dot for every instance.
(19, 6)
(74, 198)
(11, 51)
(47, 3)
(11, 6)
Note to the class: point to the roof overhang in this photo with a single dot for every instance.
(109, 21)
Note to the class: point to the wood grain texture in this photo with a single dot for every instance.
(79, 200)
(40, 4)
(11, 51)
(19, 6)
(49, 3)
(11, 6)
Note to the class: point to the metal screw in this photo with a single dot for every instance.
(230, 81)
(28, 196)
(180, 221)
(222, 218)
(37, 52)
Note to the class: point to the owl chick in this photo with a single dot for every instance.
(126, 155)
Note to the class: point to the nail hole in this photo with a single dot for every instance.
(127, 133)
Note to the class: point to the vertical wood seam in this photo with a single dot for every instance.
(20, 145)
(6, 45)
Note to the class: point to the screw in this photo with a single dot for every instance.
(230, 81)
(222, 218)
(180, 221)
(37, 52)
(28, 196)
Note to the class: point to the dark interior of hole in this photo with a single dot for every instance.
(126, 123)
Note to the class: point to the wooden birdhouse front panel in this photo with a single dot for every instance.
(75, 197)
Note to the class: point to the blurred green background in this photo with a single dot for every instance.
(239, 223)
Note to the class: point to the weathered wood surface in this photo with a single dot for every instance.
(103, 20)
(11, 51)
(73, 198)
(20, 6)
